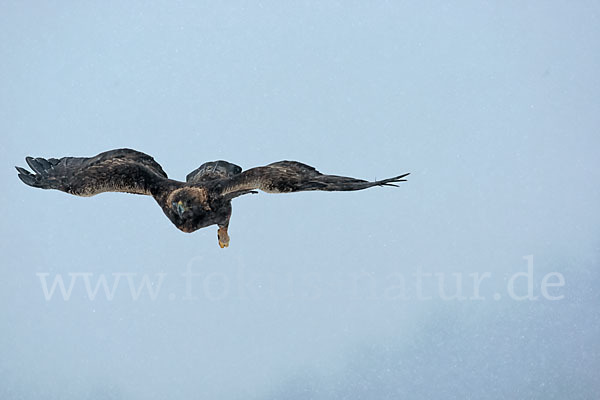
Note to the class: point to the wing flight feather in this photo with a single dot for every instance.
(122, 170)
(293, 176)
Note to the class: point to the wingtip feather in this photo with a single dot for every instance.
(23, 171)
(28, 180)
(393, 181)
(39, 165)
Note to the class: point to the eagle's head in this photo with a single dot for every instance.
(188, 208)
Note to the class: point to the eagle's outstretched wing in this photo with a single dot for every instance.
(121, 170)
(292, 176)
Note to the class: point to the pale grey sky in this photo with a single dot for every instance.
(494, 108)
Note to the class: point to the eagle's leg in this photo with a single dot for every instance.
(223, 236)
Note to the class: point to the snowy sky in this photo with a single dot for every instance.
(494, 108)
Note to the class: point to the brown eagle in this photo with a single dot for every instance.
(204, 198)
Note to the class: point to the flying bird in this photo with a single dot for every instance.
(204, 198)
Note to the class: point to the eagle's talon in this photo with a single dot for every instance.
(223, 237)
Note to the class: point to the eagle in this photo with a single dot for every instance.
(204, 199)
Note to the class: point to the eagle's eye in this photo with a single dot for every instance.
(179, 208)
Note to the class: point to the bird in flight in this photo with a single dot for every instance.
(204, 198)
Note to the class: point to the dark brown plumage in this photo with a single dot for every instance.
(204, 199)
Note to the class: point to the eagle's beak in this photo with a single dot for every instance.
(180, 208)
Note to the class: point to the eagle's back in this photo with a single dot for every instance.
(213, 170)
